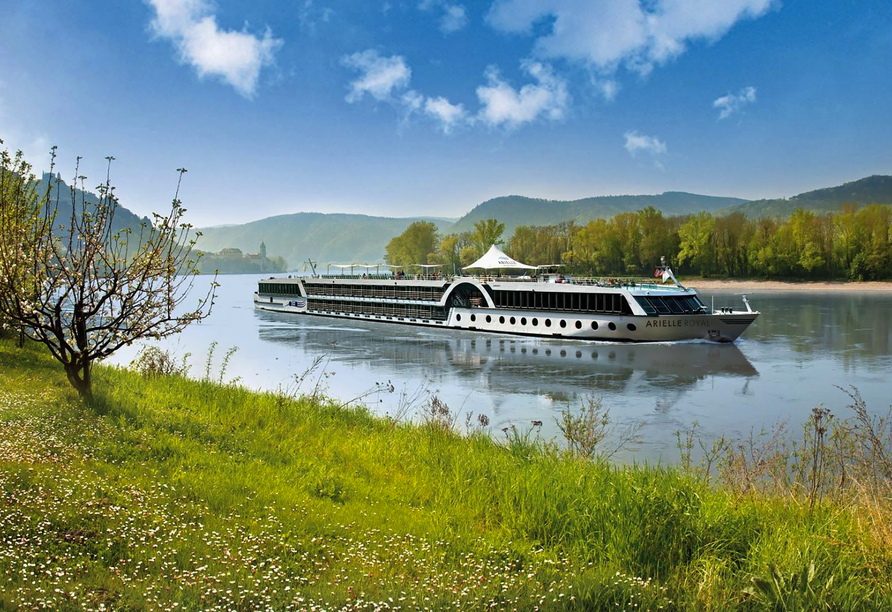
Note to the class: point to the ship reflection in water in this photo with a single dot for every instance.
(513, 379)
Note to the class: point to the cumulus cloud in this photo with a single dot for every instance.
(732, 103)
(636, 142)
(379, 76)
(386, 79)
(449, 115)
(234, 57)
(606, 34)
(453, 18)
(504, 105)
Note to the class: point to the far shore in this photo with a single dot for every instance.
(718, 284)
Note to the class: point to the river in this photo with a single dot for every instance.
(791, 359)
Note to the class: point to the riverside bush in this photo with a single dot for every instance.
(172, 493)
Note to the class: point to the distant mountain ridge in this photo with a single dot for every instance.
(876, 189)
(327, 238)
(60, 196)
(517, 210)
(345, 238)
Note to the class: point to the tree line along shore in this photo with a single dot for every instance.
(168, 493)
(853, 243)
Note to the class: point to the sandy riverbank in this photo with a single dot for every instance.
(714, 284)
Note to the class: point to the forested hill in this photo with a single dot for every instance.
(327, 238)
(875, 189)
(61, 195)
(517, 210)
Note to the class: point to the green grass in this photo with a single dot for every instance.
(178, 494)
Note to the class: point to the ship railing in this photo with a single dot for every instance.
(389, 277)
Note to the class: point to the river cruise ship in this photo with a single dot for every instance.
(531, 303)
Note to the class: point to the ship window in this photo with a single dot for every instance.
(547, 322)
(473, 318)
(578, 324)
(692, 303)
(535, 322)
(612, 326)
(458, 317)
(631, 327)
(594, 325)
(488, 319)
(660, 305)
(513, 320)
(646, 305)
(674, 306)
(563, 323)
(502, 320)
(523, 320)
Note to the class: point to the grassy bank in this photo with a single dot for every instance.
(179, 494)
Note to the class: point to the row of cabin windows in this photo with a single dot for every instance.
(675, 304)
(279, 289)
(572, 302)
(382, 309)
(399, 292)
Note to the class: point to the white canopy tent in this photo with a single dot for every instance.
(495, 259)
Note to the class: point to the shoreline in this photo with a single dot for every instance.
(791, 286)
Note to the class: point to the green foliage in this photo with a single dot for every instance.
(417, 245)
(798, 591)
(212, 496)
(487, 232)
(853, 243)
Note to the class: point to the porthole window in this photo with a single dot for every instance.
(578, 324)
(473, 318)
(631, 327)
(594, 325)
(547, 322)
(458, 317)
(523, 320)
(535, 322)
(563, 323)
(612, 326)
(502, 320)
(488, 319)
(513, 320)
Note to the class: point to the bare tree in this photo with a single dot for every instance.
(84, 290)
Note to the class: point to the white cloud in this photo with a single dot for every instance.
(608, 33)
(309, 14)
(379, 76)
(412, 100)
(449, 115)
(732, 103)
(504, 105)
(608, 88)
(454, 17)
(234, 57)
(636, 142)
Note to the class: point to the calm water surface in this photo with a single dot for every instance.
(790, 360)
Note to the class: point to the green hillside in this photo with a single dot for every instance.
(875, 189)
(517, 210)
(61, 197)
(327, 238)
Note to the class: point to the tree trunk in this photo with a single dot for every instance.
(79, 376)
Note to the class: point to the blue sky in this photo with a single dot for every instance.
(428, 107)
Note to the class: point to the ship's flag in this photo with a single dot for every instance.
(658, 273)
(666, 275)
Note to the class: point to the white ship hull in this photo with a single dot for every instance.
(723, 326)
